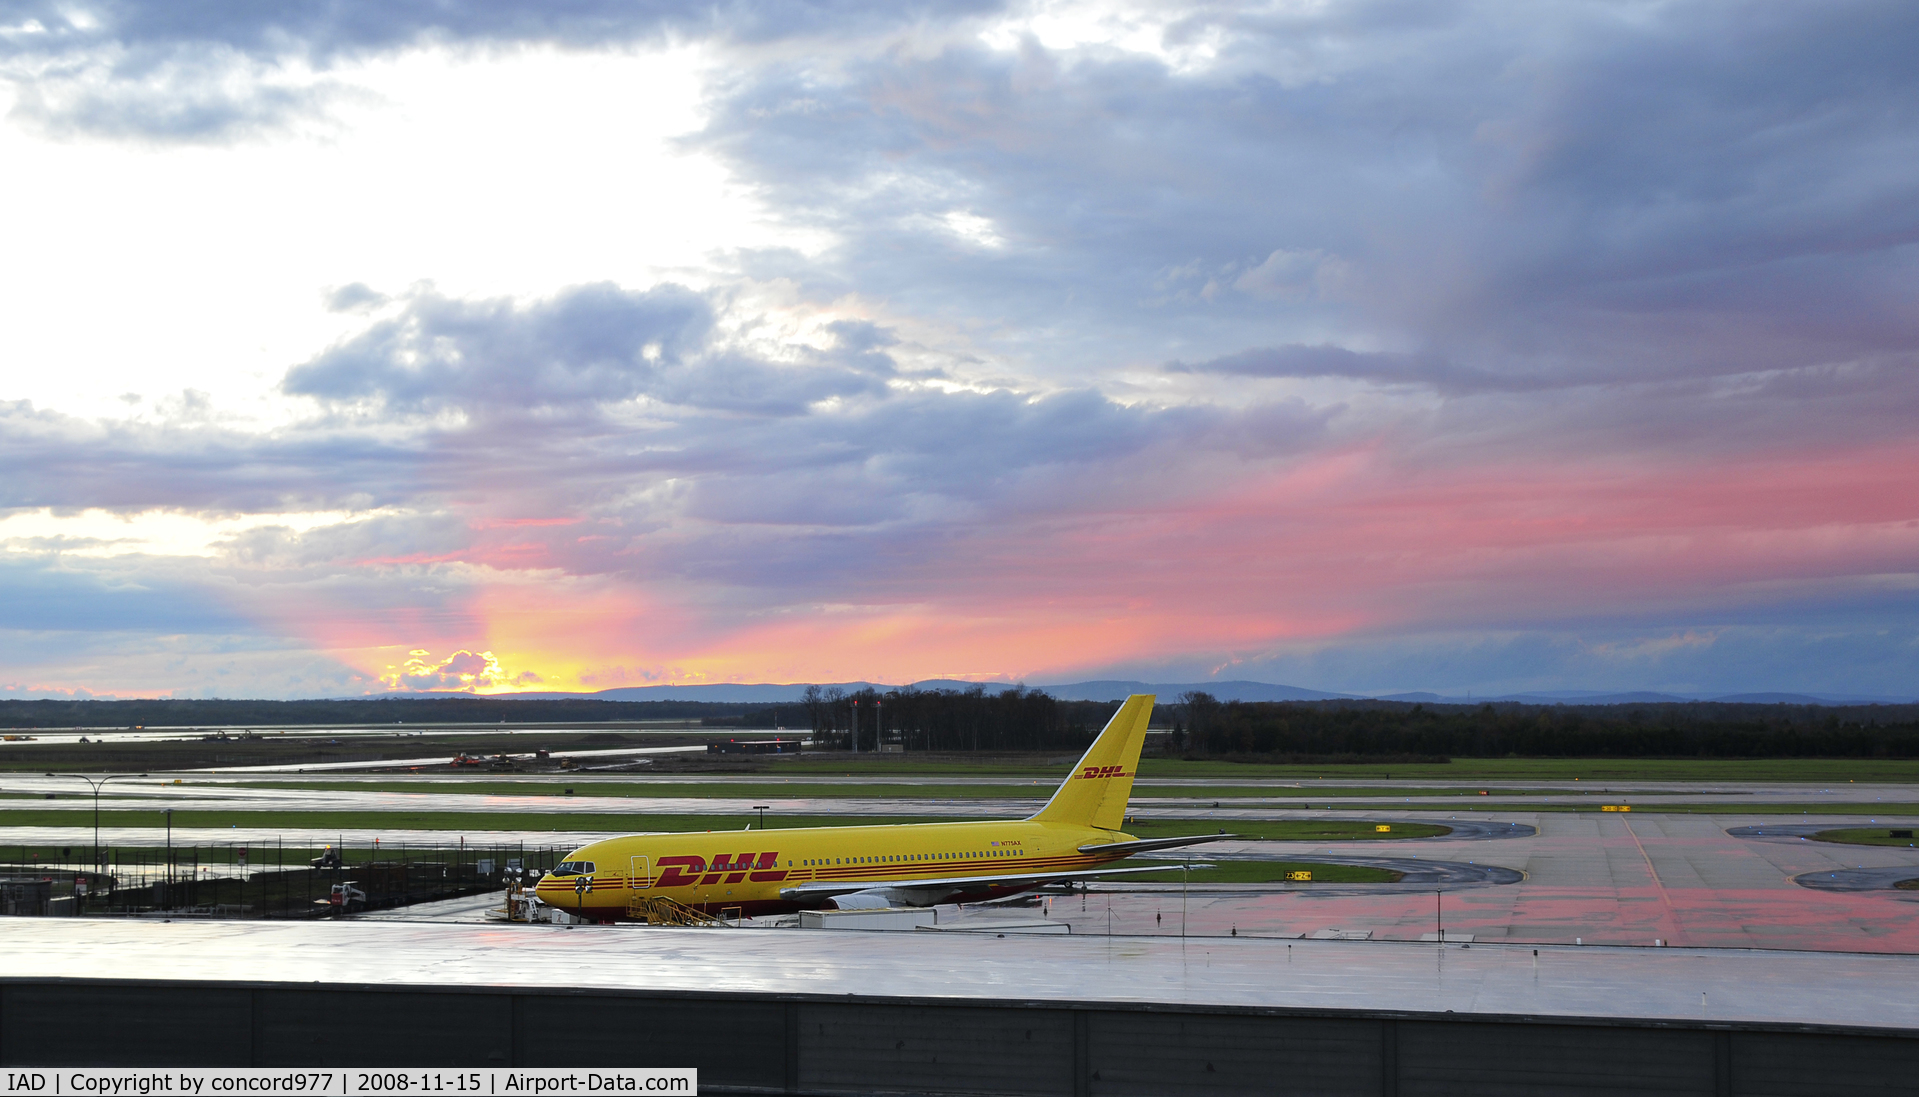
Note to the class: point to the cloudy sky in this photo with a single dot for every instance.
(1364, 346)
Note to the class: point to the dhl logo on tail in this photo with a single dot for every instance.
(1100, 773)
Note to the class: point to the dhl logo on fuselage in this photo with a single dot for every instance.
(688, 869)
(1098, 773)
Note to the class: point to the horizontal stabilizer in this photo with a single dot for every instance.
(1127, 849)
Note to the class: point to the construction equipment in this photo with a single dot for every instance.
(520, 905)
(342, 898)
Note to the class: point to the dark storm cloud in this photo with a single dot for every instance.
(64, 462)
(589, 345)
(288, 553)
(114, 594)
(571, 373)
(1329, 361)
(184, 97)
(1679, 236)
(1586, 194)
(198, 72)
(918, 454)
(346, 26)
(621, 414)
(353, 297)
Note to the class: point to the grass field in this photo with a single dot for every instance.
(1866, 836)
(1720, 807)
(264, 855)
(1459, 770)
(1463, 770)
(477, 822)
(1456, 776)
(450, 821)
(563, 821)
(1301, 830)
(267, 858)
(1270, 872)
(720, 788)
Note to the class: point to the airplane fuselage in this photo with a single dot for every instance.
(719, 871)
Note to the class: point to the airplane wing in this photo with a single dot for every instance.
(868, 894)
(1127, 849)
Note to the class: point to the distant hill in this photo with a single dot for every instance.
(1807, 699)
(777, 694)
(1642, 697)
(758, 694)
(1584, 697)
(723, 693)
(1169, 692)
(1224, 691)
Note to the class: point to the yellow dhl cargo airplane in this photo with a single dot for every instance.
(918, 864)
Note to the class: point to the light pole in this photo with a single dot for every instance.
(95, 785)
(761, 808)
(169, 814)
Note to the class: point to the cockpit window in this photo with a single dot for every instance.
(573, 868)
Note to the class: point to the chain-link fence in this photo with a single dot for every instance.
(254, 880)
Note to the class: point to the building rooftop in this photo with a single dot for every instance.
(1732, 985)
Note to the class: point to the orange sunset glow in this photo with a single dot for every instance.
(1362, 355)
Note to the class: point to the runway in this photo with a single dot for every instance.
(237, 789)
(1599, 879)
(1610, 879)
(1625, 878)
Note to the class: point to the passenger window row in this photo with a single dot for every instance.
(813, 862)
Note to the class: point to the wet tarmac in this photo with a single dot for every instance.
(440, 761)
(1860, 879)
(1804, 832)
(221, 792)
(122, 736)
(1675, 983)
(1719, 879)
(1417, 874)
(237, 789)
(1592, 878)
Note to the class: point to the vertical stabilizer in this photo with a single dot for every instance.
(1096, 793)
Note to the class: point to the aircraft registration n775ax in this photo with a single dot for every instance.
(1074, 837)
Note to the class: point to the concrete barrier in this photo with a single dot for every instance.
(845, 1044)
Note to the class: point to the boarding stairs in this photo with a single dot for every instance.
(658, 910)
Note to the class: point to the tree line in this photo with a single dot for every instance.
(1290, 730)
(1020, 719)
(947, 720)
(1015, 719)
(373, 710)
